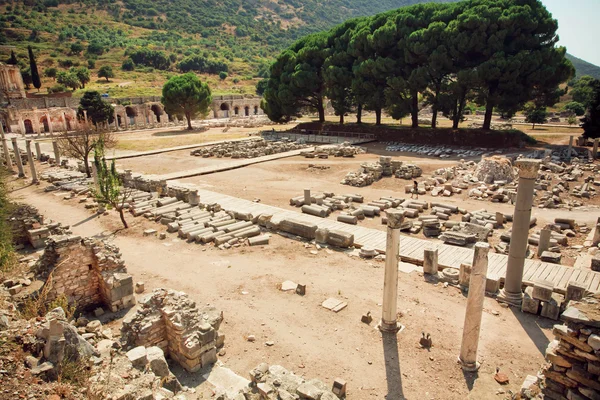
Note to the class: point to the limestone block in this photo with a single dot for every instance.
(300, 228)
(575, 291)
(530, 305)
(594, 342)
(309, 392)
(139, 287)
(340, 238)
(138, 357)
(551, 309)
(542, 290)
(321, 235)
(492, 286)
(551, 257)
(156, 359)
(259, 240)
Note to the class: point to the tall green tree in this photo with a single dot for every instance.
(583, 90)
(83, 75)
(106, 71)
(35, 76)
(13, 59)
(186, 95)
(68, 79)
(98, 111)
(591, 121)
(535, 115)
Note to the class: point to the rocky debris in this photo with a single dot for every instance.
(370, 172)
(322, 204)
(574, 371)
(276, 382)
(28, 226)
(494, 169)
(247, 149)
(87, 271)
(434, 151)
(170, 320)
(345, 149)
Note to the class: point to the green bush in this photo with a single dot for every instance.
(58, 88)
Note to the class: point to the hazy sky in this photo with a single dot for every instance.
(578, 27)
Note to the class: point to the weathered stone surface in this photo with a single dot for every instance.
(157, 362)
(138, 357)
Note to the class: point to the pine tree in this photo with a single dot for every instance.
(35, 76)
(13, 59)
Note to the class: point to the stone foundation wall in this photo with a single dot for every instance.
(574, 355)
(170, 320)
(88, 272)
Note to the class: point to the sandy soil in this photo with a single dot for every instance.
(309, 339)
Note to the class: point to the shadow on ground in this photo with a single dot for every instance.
(393, 373)
(533, 326)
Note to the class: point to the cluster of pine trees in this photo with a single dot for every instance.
(500, 54)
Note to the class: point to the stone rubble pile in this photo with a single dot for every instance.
(323, 204)
(371, 172)
(540, 299)
(345, 149)
(246, 149)
(28, 227)
(202, 223)
(434, 151)
(574, 372)
(171, 321)
(493, 169)
(276, 382)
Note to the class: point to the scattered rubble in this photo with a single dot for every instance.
(246, 149)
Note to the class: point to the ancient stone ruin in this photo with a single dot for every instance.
(89, 272)
(170, 320)
(246, 149)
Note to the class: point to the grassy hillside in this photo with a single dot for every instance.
(583, 67)
(243, 35)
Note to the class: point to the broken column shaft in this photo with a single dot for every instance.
(512, 293)
(18, 157)
(7, 159)
(595, 148)
(34, 178)
(307, 199)
(474, 311)
(389, 321)
(38, 151)
(56, 153)
(544, 242)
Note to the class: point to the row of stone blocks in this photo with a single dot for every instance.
(541, 299)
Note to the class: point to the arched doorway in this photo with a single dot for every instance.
(225, 109)
(28, 126)
(236, 111)
(247, 111)
(255, 110)
(68, 123)
(44, 121)
(130, 112)
(157, 111)
(118, 120)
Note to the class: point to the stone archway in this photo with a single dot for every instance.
(247, 111)
(225, 110)
(119, 120)
(28, 126)
(236, 111)
(255, 110)
(46, 124)
(131, 114)
(157, 111)
(68, 123)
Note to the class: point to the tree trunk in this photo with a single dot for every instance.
(414, 109)
(106, 78)
(533, 127)
(359, 114)
(321, 110)
(434, 117)
(378, 116)
(123, 218)
(487, 120)
(459, 108)
(87, 167)
(434, 107)
(342, 119)
(189, 120)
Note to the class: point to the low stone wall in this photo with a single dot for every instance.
(170, 320)
(574, 372)
(88, 272)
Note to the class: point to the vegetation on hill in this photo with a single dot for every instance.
(584, 68)
(440, 54)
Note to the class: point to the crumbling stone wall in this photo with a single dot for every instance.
(88, 272)
(170, 320)
(574, 354)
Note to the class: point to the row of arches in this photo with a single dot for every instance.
(44, 124)
(236, 110)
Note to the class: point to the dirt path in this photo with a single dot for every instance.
(308, 339)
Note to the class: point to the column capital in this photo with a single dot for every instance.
(528, 168)
(395, 218)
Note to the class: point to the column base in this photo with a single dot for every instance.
(393, 327)
(469, 366)
(512, 299)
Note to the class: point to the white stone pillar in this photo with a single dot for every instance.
(596, 237)
(18, 157)
(56, 153)
(474, 311)
(7, 160)
(307, 199)
(512, 292)
(389, 321)
(430, 261)
(116, 119)
(49, 124)
(38, 151)
(34, 178)
(544, 242)
(95, 173)
(570, 148)
(85, 116)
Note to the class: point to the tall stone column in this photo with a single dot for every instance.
(56, 153)
(389, 321)
(34, 178)
(38, 151)
(7, 160)
(544, 243)
(116, 119)
(430, 261)
(570, 148)
(595, 148)
(307, 198)
(49, 124)
(95, 174)
(512, 293)
(18, 157)
(472, 327)
(85, 116)
(596, 237)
